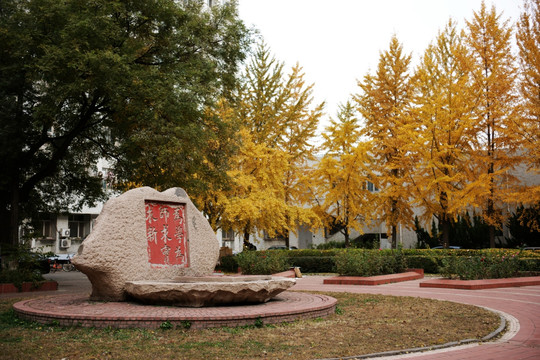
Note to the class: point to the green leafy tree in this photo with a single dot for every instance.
(470, 232)
(129, 81)
(522, 226)
(384, 102)
(423, 238)
(212, 198)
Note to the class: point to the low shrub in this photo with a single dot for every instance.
(324, 261)
(429, 263)
(370, 262)
(364, 241)
(228, 263)
(487, 266)
(311, 252)
(533, 254)
(331, 245)
(263, 262)
(20, 276)
(529, 264)
(313, 264)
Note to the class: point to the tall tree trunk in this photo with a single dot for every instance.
(491, 170)
(491, 205)
(394, 224)
(9, 223)
(247, 244)
(491, 236)
(445, 221)
(9, 238)
(394, 237)
(445, 231)
(347, 235)
(285, 232)
(14, 218)
(491, 213)
(6, 233)
(246, 238)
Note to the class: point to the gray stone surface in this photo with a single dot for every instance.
(208, 291)
(117, 249)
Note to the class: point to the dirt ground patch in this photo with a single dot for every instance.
(362, 324)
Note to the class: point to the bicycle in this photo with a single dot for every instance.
(68, 266)
(55, 266)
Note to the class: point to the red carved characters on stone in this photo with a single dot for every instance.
(166, 234)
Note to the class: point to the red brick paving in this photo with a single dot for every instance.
(522, 303)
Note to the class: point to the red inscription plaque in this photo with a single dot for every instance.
(166, 234)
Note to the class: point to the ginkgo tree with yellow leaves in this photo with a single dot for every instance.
(528, 42)
(384, 102)
(444, 182)
(339, 181)
(493, 78)
(444, 139)
(257, 199)
(278, 121)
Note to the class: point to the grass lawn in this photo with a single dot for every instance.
(362, 324)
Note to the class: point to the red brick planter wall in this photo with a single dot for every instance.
(411, 274)
(481, 284)
(77, 310)
(28, 287)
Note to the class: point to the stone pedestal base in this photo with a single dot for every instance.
(208, 290)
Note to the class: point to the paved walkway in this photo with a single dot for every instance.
(522, 342)
(522, 303)
(72, 282)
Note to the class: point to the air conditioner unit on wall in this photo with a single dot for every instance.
(64, 232)
(65, 243)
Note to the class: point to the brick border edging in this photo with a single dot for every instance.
(290, 307)
(411, 274)
(481, 284)
(48, 285)
(287, 274)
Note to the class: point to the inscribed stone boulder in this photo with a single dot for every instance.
(146, 235)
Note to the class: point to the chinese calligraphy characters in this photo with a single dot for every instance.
(166, 234)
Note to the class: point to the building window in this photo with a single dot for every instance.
(371, 187)
(227, 235)
(79, 225)
(267, 237)
(48, 229)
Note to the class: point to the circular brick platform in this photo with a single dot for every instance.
(77, 310)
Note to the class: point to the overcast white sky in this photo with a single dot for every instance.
(337, 42)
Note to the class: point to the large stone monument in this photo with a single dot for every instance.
(158, 248)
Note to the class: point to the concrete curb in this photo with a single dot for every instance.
(507, 321)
